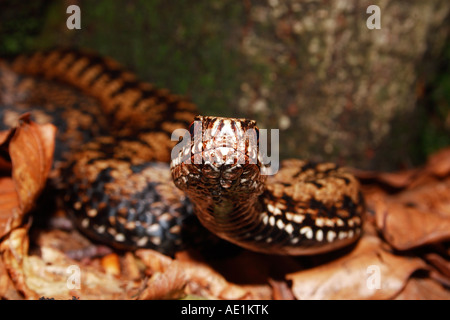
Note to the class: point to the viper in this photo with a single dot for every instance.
(126, 181)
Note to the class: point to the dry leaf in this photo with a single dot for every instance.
(14, 251)
(130, 267)
(167, 285)
(423, 289)
(155, 261)
(415, 217)
(111, 264)
(30, 148)
(406, 228)
(54, 275)
(9, 204)
(439, 163)
(31, 152)
(199, 279)
(245, 276)
(281, 290)
(442, 265)
(7, 288)
(368, 272)
(437, 167)
(412, 208)
(206, 282)
(399, 179)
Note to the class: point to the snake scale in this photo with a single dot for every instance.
(113, 151)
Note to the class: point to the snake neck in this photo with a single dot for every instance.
(305, 209)
(233, 219)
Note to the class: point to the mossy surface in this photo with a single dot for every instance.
(337, 94)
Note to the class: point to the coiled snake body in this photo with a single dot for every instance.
(113, 153)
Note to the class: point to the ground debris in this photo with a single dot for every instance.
(404, 252)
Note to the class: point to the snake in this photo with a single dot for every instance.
(127, 182)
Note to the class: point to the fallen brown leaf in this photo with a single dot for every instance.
(154, 261)
(206, 282)
(111, 264)
(169, 284)
(399, 179)
(7, 288)
(410, 209)
(30, 154)
(407, 227)
(423, 289)
(197, 278)
(281, 290)
(14, 251)
(414, 217)
(442, 265)
(9, 204)
(368, 272)
(131, 267)
(439, 163)
(53, 275)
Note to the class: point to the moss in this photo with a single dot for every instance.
(208, 50)
(20, 22)
(436, 109)
(181, 47)
(191, 49)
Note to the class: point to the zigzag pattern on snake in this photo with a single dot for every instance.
(112, 154)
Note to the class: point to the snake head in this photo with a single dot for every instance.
(219, 157)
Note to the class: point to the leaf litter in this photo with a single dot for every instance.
(404, 252)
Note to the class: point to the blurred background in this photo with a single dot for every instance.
(373, 99)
